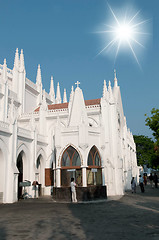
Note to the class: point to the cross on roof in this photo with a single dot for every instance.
(77, 83)
(115, 73)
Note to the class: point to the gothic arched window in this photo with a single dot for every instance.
(94, 170)
(71, 167)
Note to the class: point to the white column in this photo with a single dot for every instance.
(14, 160)
(103, 176)
(58, 182)
(84, 177)
(15, 188)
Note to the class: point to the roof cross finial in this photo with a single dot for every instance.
(77, 83)
(115, 79)
(114, 73)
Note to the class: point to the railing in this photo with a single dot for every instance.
(4, 125)
(24, 132)
(58, 110)
(41, 138)
(8, 69)
(28, 115)
(92, 106)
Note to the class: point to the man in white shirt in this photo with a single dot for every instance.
(73, 190)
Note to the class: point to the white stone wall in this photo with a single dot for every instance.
(45, 134)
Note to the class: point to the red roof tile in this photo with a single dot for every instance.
(58, 106)
(65, 105)
(37, 110)
(92, 102)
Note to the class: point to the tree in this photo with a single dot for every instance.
(144, 150)
(153, 123)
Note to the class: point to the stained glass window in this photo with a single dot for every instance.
(71, 167)
(94, 170)
(94, 158)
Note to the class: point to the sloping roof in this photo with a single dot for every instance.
(92, 102)
(37, 110)
(58, 106)
(65, 105)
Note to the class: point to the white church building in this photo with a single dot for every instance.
(46, 140)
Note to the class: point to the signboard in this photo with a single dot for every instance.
(94, 169)
(25, 184)
(71, 170)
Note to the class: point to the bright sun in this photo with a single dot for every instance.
(127, 31)
(124, 32)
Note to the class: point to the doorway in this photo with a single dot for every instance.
(20, 176)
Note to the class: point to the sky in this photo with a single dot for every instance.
(61, 36)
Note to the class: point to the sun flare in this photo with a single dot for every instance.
(128, 32)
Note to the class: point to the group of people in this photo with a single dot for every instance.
(143, 181)
(153, 179)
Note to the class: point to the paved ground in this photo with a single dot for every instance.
(134, 216)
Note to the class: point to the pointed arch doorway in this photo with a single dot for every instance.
(40, 177)
(71, 167)
(20, 176)
(94, 170)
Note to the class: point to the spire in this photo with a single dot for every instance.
(44, 104)
(115, 79)
(39, 85)
(64, 96)
(105, 90)
(21, 63)
(58, 94)
(111, 99)
(52, 92)
(4, 72)
(38, 76)
(77, 113)
(16, 59)
(71, 94)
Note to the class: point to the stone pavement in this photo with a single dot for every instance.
(130, 217)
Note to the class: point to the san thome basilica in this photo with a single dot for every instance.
(45, 139)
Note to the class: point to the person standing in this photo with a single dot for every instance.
(73, 190)
(155, 178)
(145, 179)
(141, 183)
(151, 180)
(133, 185)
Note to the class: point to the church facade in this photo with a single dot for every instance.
(46, 140)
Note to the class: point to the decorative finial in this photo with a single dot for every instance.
(77, 83)
(115, 79)
(114, 73)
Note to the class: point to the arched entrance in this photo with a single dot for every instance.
(94, 170)
(39, 167)
(2, 176)
(40, 177)
(20, 176)
(71, 167)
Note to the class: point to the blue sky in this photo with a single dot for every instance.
(59, 35)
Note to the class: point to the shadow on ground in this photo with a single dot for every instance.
(134, 216)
